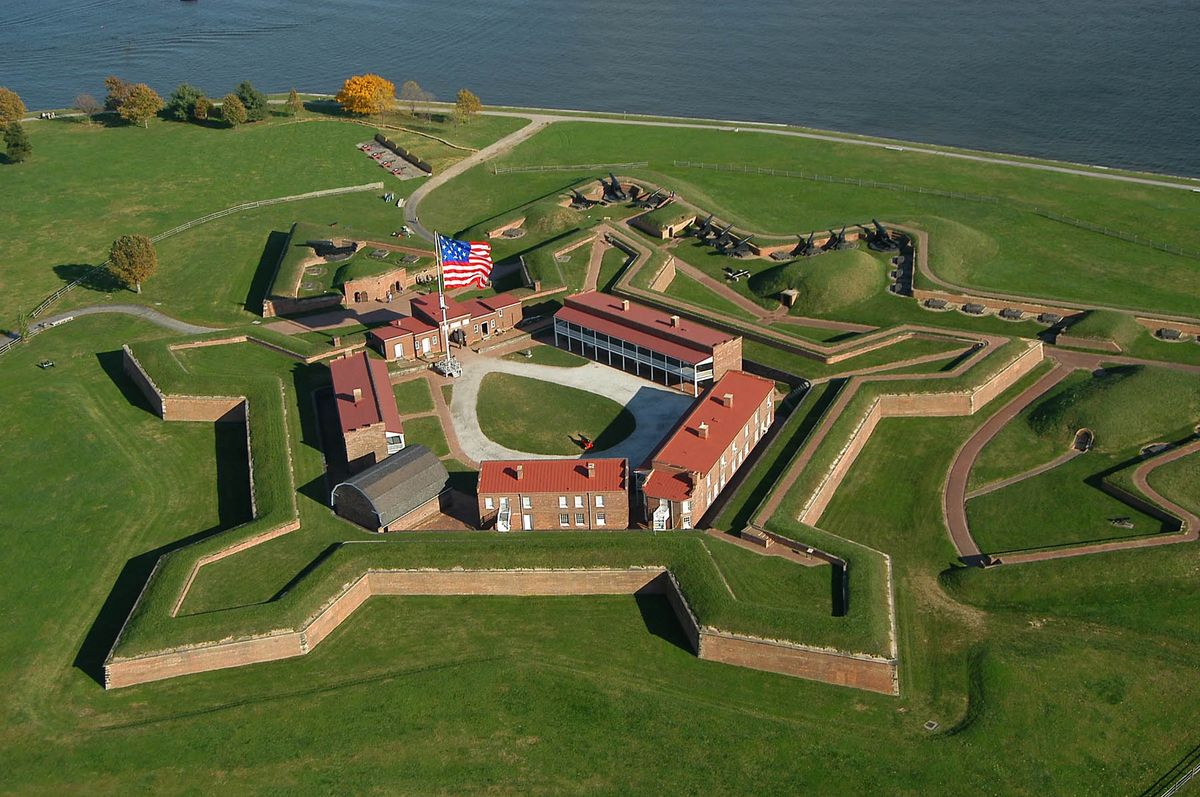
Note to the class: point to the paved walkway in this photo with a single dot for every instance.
(139, 310)
(656, 409)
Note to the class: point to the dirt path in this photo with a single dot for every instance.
(599, 248)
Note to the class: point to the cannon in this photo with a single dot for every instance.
(580, 202)
(613, 192)
(740, 248)
(880, 240)
(723, 238)
(837, 240)
(647, 200)
(805, 248)
(703, 229)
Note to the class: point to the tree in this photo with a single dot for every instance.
(88, 105)
(182, 104)
(466, 105)
(133, 260)
(16, 142)
(233, 110)
(11, 107)
(117, 90)
(412, 93)
(253, 100)
(294, 104)
(202, 109)
(23, 325)
(367, 94)
(140, 104)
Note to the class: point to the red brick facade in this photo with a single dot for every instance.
(554, 494)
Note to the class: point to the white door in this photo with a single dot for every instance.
(399, 351)
(527, 522)
(426, 345)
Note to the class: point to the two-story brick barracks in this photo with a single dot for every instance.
(366, 408)
(644, 341)
(473, 320)
(681, 480)
(405, 339)
(554, 494)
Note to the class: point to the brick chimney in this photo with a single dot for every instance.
(625, 305)
(520, 471)
(727, 400)
(702, 430)
(357, 394)
(591, 470)
(674, 320)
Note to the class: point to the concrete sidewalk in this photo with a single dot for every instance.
(655, 408)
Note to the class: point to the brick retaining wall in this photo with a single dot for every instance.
(861, 672)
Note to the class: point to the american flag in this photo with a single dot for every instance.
(465, 263)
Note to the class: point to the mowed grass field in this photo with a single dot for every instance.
(563, 416)
(88, 184)
(1001, 246)
(516, 696)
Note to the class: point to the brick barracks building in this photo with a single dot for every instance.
(473, 320)
(690, 469)
(405, 339)
(366, 408)
(650, 343)
(554, 494)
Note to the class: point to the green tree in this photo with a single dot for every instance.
(116, 92)
(87, 105)
(23, 325)
(233, 110)
(140, 104)
(466, 105)
(16, 142)
(181, 106)
(254, 101)
(11, 107)
(133, 260)
(294, 105)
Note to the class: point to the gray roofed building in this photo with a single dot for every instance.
(393, 490)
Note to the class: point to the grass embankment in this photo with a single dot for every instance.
(1107, 326)
(565, 414)
(1008, 244)
(826, 283)
(1127, 408)
(807, 367)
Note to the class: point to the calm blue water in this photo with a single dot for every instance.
(1101, 82)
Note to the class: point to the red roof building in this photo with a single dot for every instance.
(405, 338)
(366, 408)
(646, 341)
(554, 494)
(472, 320)
(689, 470)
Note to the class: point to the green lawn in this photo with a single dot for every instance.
(427, 432)
(809, 368)
(413, 396)
(565, 414)
(1000, 246)
(694, 292)
(1179, 480)
(545, 354)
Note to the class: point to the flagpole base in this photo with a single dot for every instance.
(448, 366)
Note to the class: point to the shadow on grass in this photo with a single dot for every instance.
(264, 273)
(113, 365)
(661, 621)
(100, 280)
(233, 509)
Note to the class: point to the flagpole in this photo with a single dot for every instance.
(447, 366)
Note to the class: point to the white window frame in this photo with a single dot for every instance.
(526, 502)
(601, 520)
(580, 519)
(599, 502)
(564, 519)
(579, 502)
(488, 503)
(562, 502)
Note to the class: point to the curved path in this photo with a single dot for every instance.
(138, 310)
(656, 409)
(954, 493)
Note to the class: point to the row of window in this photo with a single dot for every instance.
(527, 502)
(564, 519)
(624, 348)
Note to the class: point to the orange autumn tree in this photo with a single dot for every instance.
(367, 94)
